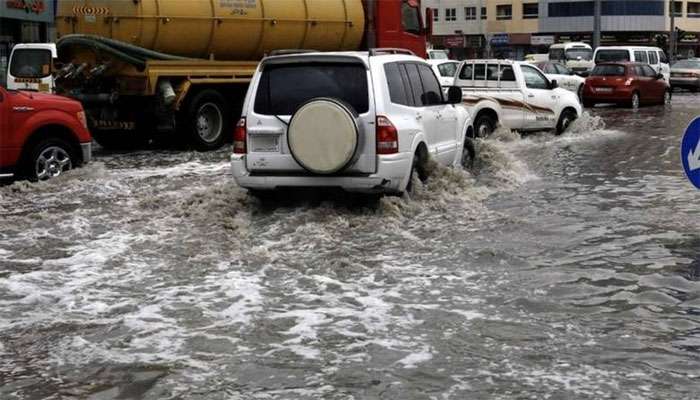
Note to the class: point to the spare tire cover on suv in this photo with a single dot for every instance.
(323, 135)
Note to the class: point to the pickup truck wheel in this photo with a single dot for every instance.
(468, 154)
(567, 117)
(207, 121)
(484, 126)
(49, 159)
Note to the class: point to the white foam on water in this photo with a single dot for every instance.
(414, 359)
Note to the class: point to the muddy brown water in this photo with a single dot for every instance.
(561, 268)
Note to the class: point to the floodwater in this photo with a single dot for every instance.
(560, 268)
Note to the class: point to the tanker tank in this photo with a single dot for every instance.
(218, 29)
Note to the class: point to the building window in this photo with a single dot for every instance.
(571, 9)
(483, 13)
(621, 7)
(469, 13)
(504, 12)
(436, 15)
(693, 10)
(677, 8)
(531, 10)
(450, 14)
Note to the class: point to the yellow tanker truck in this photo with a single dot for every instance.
(144, 68)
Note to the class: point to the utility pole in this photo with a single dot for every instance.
(672, 36)
(596, 23)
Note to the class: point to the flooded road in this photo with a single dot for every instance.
(561, 268)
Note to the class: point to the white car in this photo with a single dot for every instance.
(361, 121)
(445, 70)
(565, 77)
(516, 95)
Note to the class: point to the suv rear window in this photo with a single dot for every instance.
(608, 70)
(612, 55)
(284, 88)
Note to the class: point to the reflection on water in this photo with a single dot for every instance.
(561, 267)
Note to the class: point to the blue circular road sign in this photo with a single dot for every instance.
(690, 152)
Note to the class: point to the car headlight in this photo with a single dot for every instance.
(81, 117)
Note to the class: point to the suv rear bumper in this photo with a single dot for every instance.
(391, 177)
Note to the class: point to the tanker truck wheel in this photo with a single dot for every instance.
(207, 121)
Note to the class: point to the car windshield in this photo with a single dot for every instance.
(574, 54)
(608, 70)
(30, 63)
(612, 55)
(284, 88)
(689, 64)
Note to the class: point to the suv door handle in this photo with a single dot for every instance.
(419, 117)
(530, 95)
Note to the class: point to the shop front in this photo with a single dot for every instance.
(23, 21)
(513, 46)
(689, 45)
(461, 47)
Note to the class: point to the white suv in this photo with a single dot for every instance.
(360, 121)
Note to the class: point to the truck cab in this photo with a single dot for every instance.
(41, 135)
(516, 95)
(31, 67)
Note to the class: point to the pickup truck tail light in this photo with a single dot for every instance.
(239, 137)
(387, 136)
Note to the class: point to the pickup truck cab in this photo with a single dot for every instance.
(41, 135)
(516, 95)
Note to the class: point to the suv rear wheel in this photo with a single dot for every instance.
(48, 159)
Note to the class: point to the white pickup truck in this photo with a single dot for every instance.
(516, 95)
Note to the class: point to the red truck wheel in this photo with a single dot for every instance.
(48, 159)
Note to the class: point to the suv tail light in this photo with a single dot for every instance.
(239, 137)
(387, 136)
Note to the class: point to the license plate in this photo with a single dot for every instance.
(266, 144)
(604, 90)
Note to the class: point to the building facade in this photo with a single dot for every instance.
(459, 26)
(23, 21)
(513, 28)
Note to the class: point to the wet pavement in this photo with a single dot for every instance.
(560, 268)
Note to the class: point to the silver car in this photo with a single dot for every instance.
(685, 74)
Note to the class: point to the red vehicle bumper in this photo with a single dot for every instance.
(618, 94)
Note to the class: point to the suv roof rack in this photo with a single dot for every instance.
(285, 52)
(390, 50)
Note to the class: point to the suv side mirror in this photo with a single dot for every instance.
(553, 84)
(454, 95)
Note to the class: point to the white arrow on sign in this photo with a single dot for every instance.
(694, 158)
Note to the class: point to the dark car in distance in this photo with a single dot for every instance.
(625, 83)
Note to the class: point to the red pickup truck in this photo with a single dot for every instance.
(41, 135)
